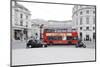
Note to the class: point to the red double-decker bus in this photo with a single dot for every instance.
(60, 36)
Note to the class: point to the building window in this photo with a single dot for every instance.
(81, 21)
(76, 6)
(93, 28)
(16, 10)
(16, 23)
(87, 20)
(87, 12)
(80, 28)
(87, 28)
(81, 13)
(94, 36)
(93, 20)
(21, 15)
(26, 17)
(21, 23)
(26, 24)
(93, 12)
(80, 6)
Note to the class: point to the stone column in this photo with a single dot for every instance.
(12, 35)
(21, 35)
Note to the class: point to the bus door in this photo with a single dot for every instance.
(69, 39)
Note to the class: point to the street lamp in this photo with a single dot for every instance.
(41, 26)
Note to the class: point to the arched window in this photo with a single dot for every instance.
(21, 15)
(21, 23)
(81, 20)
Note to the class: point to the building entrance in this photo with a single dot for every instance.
(87, 37)
(81, 35)
(94, 36)
(18, 34)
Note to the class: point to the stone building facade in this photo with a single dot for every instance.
(84, 20)
(21, 25)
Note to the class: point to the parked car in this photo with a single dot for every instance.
(80, 44)
(35, 43)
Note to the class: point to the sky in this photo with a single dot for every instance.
(49, 11)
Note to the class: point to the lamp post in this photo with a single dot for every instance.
(41, 27)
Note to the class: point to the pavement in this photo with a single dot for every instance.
(90, 44)
(51, 55)
(18, 44)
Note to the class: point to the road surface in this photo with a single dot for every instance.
(22, 45)
(51, 55)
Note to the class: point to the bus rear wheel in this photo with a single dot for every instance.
(44, 46)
